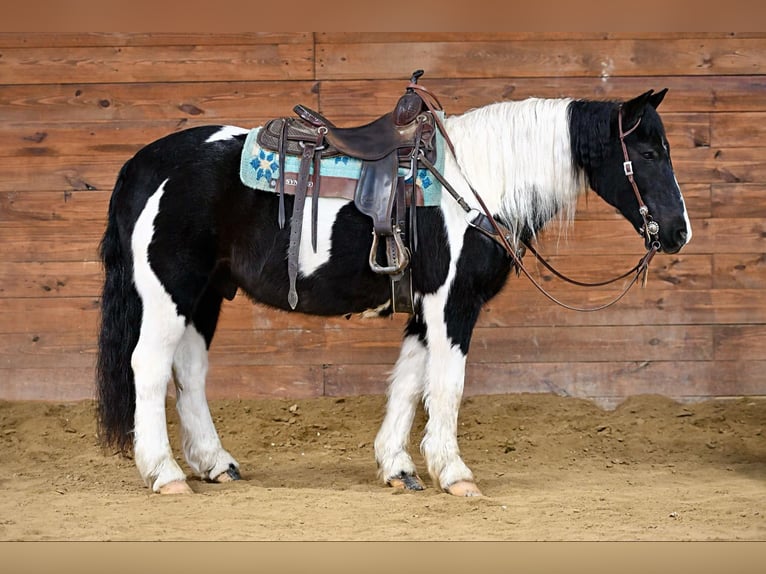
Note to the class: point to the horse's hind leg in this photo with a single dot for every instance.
(151, 361)
(162, 328)
(201, 444)
(395, 465)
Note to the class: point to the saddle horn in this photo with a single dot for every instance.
(410, 104)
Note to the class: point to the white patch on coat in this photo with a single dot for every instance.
(308, 261)
(227, 133)
(686, 214)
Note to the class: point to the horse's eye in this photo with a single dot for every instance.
(649, 155)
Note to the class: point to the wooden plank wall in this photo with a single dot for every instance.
(74, 107)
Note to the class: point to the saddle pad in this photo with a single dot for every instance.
(259, 169)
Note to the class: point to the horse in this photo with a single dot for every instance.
(184, 233)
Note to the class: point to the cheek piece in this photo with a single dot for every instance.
(651, 228)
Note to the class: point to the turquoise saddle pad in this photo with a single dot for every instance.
(259, 169)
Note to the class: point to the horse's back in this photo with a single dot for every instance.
(191, 166)
(194, 153)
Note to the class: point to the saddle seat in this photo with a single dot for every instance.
(390, 132)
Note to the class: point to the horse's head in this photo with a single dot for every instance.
(635, 173)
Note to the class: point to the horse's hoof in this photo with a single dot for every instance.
(176, 487)
(407, 482)
(229, 475)
(463, 488)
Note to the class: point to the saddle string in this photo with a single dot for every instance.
(282, 153)
(501, 234)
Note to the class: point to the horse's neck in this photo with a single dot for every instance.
(518, 156)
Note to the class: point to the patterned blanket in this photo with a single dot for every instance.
(259, 169)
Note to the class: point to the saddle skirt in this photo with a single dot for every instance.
(259, 169)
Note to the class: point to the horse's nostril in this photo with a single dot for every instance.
(682, 235)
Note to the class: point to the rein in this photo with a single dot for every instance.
(486, 224)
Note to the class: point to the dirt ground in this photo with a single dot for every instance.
(551, 468)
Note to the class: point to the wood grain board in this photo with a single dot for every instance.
(75, 106)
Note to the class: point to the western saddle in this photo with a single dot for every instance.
(398, 139)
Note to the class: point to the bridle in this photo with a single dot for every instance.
(482, 220)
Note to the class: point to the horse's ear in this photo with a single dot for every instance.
(656, 99)
(632, 110)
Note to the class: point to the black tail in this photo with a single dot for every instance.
(120, 324)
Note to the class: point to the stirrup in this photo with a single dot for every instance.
(401, 255)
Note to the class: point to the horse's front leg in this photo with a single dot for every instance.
(395, 466)
(443, 393)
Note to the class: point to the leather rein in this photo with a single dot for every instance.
(483, 221)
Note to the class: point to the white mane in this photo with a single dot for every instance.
(517, 156)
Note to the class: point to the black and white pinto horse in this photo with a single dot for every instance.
(184, 233)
